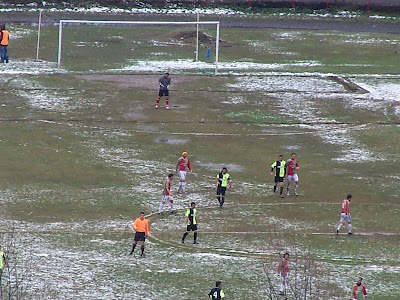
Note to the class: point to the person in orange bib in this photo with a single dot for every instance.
(141, 228)
(4, 38)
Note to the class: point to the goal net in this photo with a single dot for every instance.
(141, 23)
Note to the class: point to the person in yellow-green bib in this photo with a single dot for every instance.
(223, 179)
(2, 261)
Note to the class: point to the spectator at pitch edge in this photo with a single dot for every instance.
(4, 39)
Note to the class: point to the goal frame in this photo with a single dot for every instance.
(164, 23)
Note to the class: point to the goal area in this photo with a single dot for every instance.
(161, 23)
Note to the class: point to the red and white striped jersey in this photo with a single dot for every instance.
(345, 207)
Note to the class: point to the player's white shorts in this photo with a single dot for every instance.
(345, 218)
(293, 177)
(182, 175)
(166, 198)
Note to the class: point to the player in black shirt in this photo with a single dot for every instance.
(216, 293)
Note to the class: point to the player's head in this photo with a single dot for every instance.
(193, 204)
(293, 155)
(359, 280)
(224, 170)
(286, 255)
(218, 283)
(184, 154)
(170, 175)
(348, 197)
(280, 157)
(141, 215)
(166, 74)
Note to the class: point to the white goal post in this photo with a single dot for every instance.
(62, 22)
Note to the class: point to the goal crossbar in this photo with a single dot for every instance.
(216, 23)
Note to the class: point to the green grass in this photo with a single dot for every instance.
(76, 172)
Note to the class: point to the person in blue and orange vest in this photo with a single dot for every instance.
(4, 39)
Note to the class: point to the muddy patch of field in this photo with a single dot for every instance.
(146, 82)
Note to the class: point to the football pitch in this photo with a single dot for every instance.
(83, 151)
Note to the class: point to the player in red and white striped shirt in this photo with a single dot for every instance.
(283, 271)
(345, 216)
(182, 165)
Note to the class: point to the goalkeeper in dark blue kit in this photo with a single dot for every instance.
(164, 82)
(216, 293)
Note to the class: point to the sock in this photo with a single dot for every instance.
(296, 185)
(223, 200)
(274, 188)
(171, 206)
(166, 101)
(340, 225)
(133, 248)
(281, 190)
(184, 187)
(281, 288)
(157, 100)
(142, 249)
(349, 227)
(185, 235)
(161, 208)
(195, 237)
(287, 189)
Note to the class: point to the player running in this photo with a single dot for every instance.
(141, 228)
(292, 166)
(223, 179)
(167, 196)
(283, 271)
(216, 293)
(345, 216)
(182, 165)
(359, 291)
(191, 218)
(164, 82)
(280, 171)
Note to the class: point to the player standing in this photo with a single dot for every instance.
(280, 171)
(167, 196)
(4, 39)
(216, 293)
(182, 165)
(223, 178)
(164, 82)
(191, 218)
(141, 228)
(292, 166)
(345, 216)
(283, 271)
(359, 291)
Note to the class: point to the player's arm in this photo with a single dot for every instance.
(177, 165)
(187, 216)
(134, 225)
(273, 166)
(146, 230)
(189, 165)
(230, 182)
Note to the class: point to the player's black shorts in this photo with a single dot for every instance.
(192, 227)
(221, 190)
(163, 93)
(279, 179)
(140, 236)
